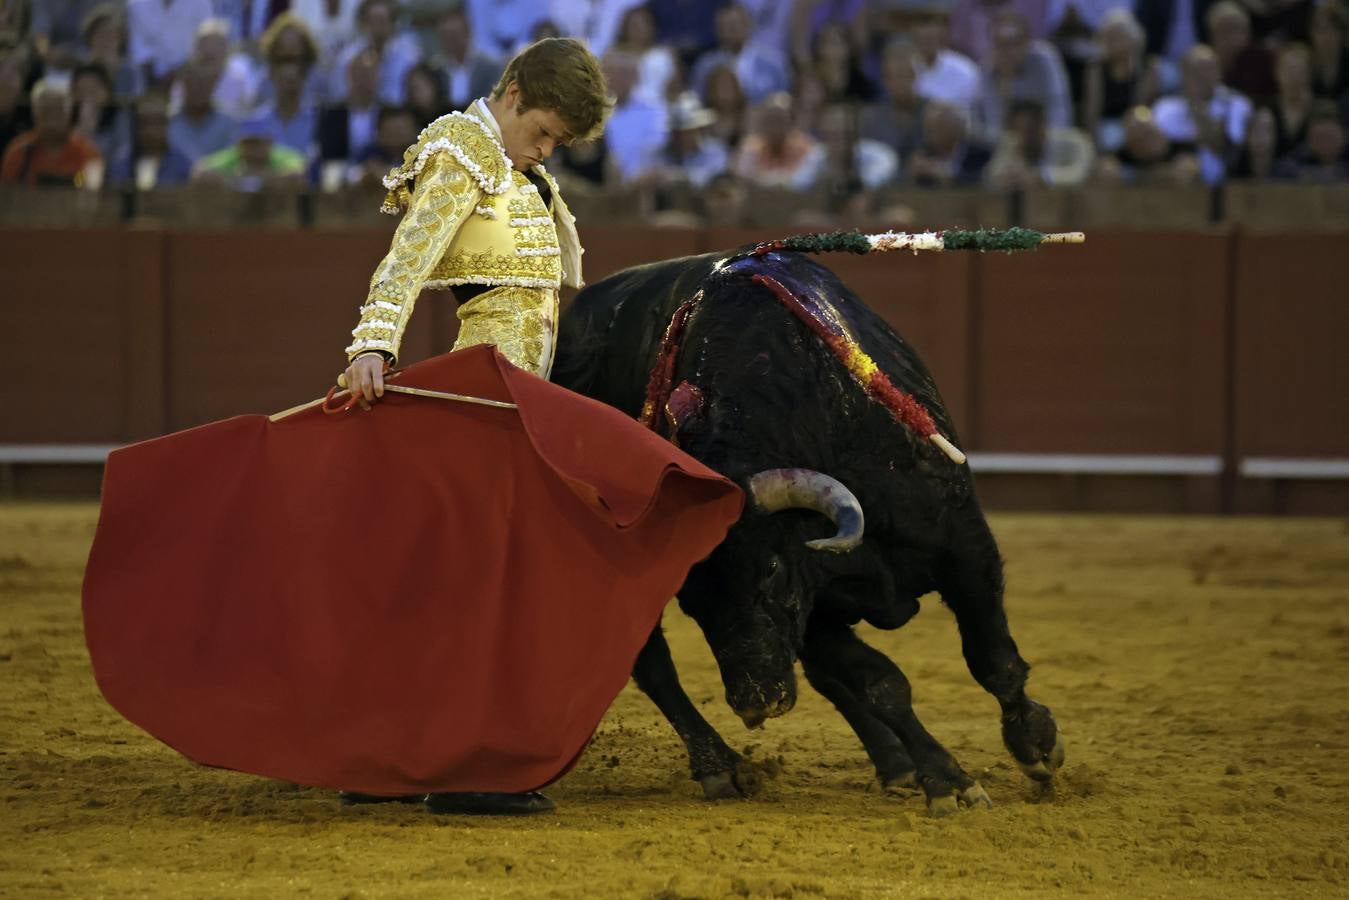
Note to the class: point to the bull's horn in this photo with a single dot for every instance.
(779, 489)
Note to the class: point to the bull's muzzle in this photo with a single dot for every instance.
(755, 715)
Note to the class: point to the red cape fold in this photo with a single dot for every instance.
(429, 596)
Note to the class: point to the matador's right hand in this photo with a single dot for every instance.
(365, 378)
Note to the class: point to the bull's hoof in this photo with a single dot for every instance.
(975, 796)
(1043, 769)
(1032, 737)
(971, 797)
(745, 780)
(720, 786)
(904, 783)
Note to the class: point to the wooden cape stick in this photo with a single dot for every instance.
(397, 389)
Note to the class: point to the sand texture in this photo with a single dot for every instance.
(1197, 667)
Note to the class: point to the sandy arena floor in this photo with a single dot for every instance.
(1197, 668)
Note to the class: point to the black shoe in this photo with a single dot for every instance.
(352, 798)
(469, 803)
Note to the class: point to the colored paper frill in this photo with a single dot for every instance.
(1006, 240)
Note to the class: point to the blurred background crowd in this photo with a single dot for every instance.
(842, 98)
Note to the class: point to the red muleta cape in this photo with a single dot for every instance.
(429, 596)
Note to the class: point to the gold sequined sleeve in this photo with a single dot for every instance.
(444, 197)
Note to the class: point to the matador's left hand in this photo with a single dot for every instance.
(365, 378)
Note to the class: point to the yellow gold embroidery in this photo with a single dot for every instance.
(519, 321)
(464, 138)
(527, 205)
(490, 267)
(458, 230)
(536, 236)
(445, 196)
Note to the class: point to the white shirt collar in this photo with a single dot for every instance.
(485, 113)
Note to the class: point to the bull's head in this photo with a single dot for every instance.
(754, 607)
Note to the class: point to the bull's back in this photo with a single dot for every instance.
(609, 334)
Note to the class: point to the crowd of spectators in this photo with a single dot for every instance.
(850, 96)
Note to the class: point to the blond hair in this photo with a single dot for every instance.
(560, 75)
(289, 21)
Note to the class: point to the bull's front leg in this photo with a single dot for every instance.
(869, 689)
(973, 589)
(721, 771)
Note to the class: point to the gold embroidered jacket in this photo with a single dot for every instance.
(471, 219)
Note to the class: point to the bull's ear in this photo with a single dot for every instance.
(867, 566)
(869, 584)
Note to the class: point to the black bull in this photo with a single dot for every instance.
(769, 395)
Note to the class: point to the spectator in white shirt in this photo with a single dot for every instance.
(467, 73)
(594, 21)
(761, 68)
(398, 50)
(161, 33)
(333, 24)
(655, 64)
(238, 80)
(943, 74)
(501, 27)
(1206, 115)
(637, 129)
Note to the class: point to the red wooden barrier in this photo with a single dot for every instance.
(1186, 344)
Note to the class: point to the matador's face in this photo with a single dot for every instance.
(530, 136)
